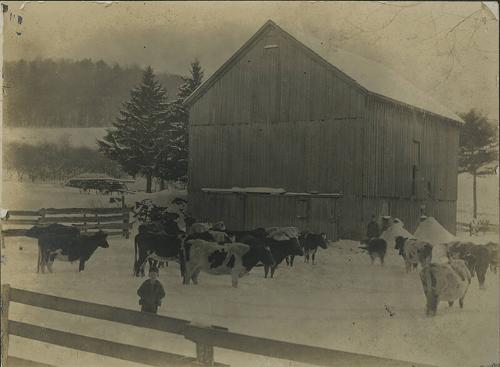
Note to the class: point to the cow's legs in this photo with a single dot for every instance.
(49, 265)
(415, 266)
(481, 278)
(81, 267)
(266, 270)
(432, 302)
(461, 302)
(234, 279)
(382, 260)
(450, 303)
(186, 277)
(273, 268)
(194, 277)
(313, 256)
(291, 260)
(408, 266)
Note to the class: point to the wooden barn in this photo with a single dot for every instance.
(280, 135)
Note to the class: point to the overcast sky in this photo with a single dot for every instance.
(449, 50)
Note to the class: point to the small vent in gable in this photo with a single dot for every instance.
(266, 47)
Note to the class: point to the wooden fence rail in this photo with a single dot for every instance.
(205, 337)
(107, 219)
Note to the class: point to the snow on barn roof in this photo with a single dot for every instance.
(383, 81)
(370, 76)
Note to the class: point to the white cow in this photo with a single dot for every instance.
(445, 282)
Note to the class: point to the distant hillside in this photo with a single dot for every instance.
(65, 93)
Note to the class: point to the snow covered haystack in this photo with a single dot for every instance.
(431, 231)
(395, 229)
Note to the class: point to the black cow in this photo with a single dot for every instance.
(279, 250)
(309, 242)
(69, 247)
(155, 247)
(376, 247)
(54, 228)
(477, 258)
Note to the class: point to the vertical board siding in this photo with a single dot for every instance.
(280, 118)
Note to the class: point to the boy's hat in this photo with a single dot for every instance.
(153, 269)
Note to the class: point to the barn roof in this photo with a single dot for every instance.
(372, 77)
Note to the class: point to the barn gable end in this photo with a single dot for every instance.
(278, 115)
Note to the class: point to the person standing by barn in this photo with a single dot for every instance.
(151, 292)
(372, 230)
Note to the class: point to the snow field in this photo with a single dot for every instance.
(343, 303)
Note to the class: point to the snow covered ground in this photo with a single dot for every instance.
(342, 303)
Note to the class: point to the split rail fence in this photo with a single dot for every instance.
(204, 337)
(114, 221)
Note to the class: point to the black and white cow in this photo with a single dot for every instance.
(309, 242)
(154, 248)
(69, 247)
(236, 259)
(414, 252)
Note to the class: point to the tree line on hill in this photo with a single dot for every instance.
(66, 93)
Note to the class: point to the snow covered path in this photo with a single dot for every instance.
(341, 303)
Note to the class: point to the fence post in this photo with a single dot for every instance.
(42, 215)
(2, 241)
(126, 221)
(84, 222)
(4, 305)
(204, 352)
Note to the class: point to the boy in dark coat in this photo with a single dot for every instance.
(151, 292)
(373, 230)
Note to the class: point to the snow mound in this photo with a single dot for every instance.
(431, 231)
(395, 229)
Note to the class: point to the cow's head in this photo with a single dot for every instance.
(219, 226)
(102, 239)
(320, 240)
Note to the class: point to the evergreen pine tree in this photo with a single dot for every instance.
(173, 163)
(139, 135)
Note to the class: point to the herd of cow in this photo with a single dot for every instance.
(446, 269)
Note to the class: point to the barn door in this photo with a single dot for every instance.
(415, 169)
(323, 217)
